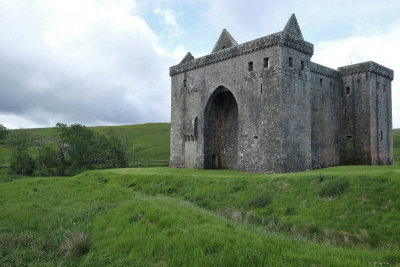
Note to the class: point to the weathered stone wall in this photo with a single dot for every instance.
(325, 121)
(259, 108)
(295, 106)
(366, 124)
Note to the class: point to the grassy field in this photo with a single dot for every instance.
(162, 216)
(150, 141)
(341, 216)
(396, 146)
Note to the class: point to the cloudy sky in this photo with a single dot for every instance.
(106, 62)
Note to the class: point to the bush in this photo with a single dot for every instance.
(334, 187)
(76, 244)
(259, 201)
(3, 132)
(23, 164)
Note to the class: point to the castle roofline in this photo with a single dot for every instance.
(323, 70)
(275, 39)
(368, 66)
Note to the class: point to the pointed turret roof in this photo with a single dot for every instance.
(225, 40)
(292, 28)
(188, 57)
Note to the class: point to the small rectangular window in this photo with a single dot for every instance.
(290, 62)
(345, 112)
(184, 82)
(330, 84)
(261, 89)
(384, 87)
(250, 66)
(302, 65)
(348, 90)
(266, 62)
(320, 81)
(381, 135)
(349, 137)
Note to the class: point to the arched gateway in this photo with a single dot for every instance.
(221, 130)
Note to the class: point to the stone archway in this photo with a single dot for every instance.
(221, 130)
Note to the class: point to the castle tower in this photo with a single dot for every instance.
(366, 114)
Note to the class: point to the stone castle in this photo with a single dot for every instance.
(264, 106)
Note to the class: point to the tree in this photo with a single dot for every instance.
(48, 162)
(80, 149)
(21, 162)
(3, 132)
(61, 129)
(117, 148)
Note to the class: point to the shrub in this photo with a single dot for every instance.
(76, 244)
(289, 211)
(259, 201)
(334, 187)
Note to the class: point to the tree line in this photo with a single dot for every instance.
(76, 148)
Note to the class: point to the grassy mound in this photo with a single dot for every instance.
(174, 217)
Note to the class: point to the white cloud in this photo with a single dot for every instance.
(169, 17)
(90, 62)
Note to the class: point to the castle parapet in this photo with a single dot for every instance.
(368, 66)
(275, 39)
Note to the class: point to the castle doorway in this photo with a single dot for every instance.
(221, 130)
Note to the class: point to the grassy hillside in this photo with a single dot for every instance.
(150, 141)
(396, 146)
(341, 216)
(175, 217)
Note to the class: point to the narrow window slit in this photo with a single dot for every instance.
(250, 66)
(266, 63)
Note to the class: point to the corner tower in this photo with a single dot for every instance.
(366, 114)
(295, 98)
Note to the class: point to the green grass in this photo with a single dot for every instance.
(150, 142)
(175, 217)
(396, 146)
(341, 216)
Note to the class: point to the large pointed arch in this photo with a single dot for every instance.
(221, 130)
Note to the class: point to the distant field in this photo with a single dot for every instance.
(180, 217)
(150, 141)
(396, 146)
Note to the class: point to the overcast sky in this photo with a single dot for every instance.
(106, 62)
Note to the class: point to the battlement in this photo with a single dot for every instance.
(368, 66)
(275, 39)
(322, 70)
